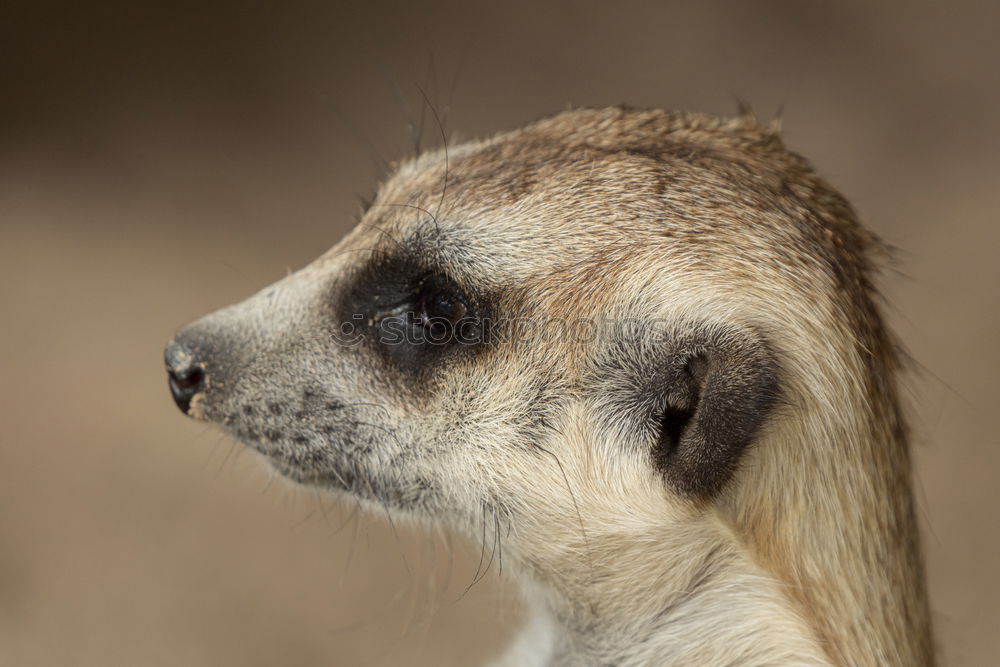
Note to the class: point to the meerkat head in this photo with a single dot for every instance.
(595, 322)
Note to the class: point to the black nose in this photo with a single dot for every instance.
(185, 375)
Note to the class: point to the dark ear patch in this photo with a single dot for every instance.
(719, 385)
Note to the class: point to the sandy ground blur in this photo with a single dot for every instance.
(158, 163)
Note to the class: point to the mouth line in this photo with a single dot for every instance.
(318, 443)
(333, 468)
(305, 459)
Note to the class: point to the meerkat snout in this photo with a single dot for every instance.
(640, 353)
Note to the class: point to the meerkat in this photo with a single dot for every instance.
(638, 350)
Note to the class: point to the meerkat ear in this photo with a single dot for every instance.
(723, 383)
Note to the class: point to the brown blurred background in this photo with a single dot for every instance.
(158, 161)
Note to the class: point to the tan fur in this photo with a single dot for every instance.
(808, 555)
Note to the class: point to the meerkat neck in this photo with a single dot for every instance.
(625, 604)
(842, 537)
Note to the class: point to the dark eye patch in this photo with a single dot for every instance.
(417, 317)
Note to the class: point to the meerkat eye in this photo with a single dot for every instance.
(415, 313)
(440, 314)
(441, 307)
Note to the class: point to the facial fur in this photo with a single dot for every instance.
(641, 345)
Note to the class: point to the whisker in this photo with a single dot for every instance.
(576, 507)
(447, 162)
(412, 206)
(482, 557)
(225, 460)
